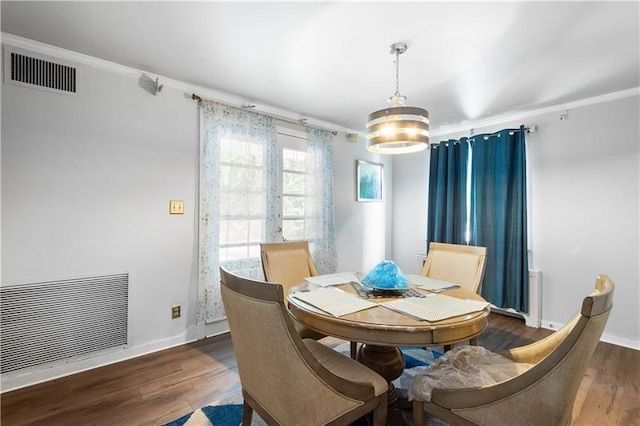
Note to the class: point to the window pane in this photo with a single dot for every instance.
(238, 204)
(255, 201)
(241, 201)
(240, 178)
(293, 229)
(239, 152)
(293, 183)
(310, 205)
(292, 206)
(233, 253)
(241, 204)
(255, 231)
(294, 160)
(223, 232)
(231, 204)
(236, 231)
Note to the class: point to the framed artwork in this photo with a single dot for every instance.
(369, 181)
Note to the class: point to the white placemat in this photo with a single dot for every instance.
(333, 279)
(435, 307)
(333, 301)
(431, 284)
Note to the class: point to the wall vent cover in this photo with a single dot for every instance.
(61, 321)
(28, 69)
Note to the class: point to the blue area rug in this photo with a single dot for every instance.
(225, 412)
(228, 412)
(218, 415)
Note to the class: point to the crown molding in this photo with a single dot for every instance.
(204, 92)
(290, 116)
(500, 119)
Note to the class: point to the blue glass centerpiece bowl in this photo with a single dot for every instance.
(386, 276)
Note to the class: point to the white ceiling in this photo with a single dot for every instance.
(330, 61)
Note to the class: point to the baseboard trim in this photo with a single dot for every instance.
(607, 338)
(550, 325)
(39, 374)
(34, 375)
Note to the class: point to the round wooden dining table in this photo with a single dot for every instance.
(381, 330)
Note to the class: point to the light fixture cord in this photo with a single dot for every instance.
(397, 61)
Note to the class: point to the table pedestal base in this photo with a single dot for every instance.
(387, 361)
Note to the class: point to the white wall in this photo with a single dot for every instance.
(86, 184)
(363, 228)
(410, 187)
(584, 219)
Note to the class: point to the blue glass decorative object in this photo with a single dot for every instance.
(386, 276)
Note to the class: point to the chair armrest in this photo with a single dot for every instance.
(535, 352)
(344, 374)
(562, 340)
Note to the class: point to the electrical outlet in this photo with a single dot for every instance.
(175, 312)
(176, 207)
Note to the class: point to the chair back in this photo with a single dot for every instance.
(545, 393)
(285, 383)
(456, 263)
(287, 263)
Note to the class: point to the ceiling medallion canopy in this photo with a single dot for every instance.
(398, 129)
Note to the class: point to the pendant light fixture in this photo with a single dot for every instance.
(398, 129)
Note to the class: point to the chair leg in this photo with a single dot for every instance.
(473, 341)
(247, 414)
(380, 412)
(354, 349)
(447, 348)
(418, 413)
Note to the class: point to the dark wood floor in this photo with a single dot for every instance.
(157, 388)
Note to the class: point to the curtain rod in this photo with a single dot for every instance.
(530, 129)
(301, 122)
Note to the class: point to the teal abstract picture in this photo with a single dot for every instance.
(369, 178)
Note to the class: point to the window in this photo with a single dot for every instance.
(241, 199)
(294, 207)
(242, 224)
(259, 185)
(477, 196)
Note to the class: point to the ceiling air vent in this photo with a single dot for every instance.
(39, 72)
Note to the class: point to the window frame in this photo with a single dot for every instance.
(289, 139)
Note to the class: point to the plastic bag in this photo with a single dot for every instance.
(386, 275)
(464, 367)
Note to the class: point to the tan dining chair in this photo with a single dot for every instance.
(544, 393)
(288, 263)
(459, 264)
(456, 263)
(288, 380)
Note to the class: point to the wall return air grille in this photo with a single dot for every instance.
(57, 320)
(29, 70)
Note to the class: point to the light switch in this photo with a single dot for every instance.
(175, 312)
(176, 207)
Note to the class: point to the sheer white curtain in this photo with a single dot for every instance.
(238, 197)
(321, 226)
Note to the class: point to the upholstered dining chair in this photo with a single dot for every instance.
(459, 264)
(456, 263)
(288, 263)
(542, 394)
(288, 380)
